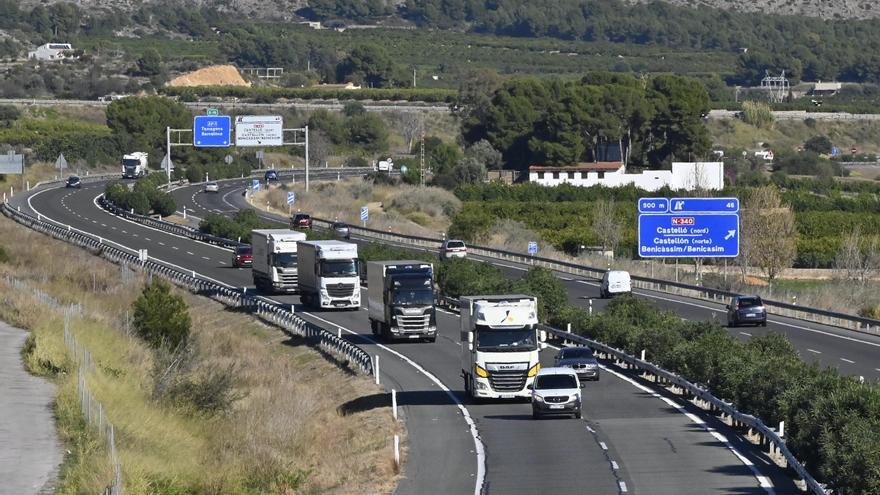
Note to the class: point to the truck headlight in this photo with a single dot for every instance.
(534, 369)
(480, 371)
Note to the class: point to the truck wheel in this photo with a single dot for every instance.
(535, 414)
(577, 415)
(467, 385)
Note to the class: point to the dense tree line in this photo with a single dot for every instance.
(602, 117)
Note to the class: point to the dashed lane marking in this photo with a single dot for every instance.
(747, 334)
(845, 360)
(814, 351)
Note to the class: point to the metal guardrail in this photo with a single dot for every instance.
(231, 296)
(768, 436)
(780, 308)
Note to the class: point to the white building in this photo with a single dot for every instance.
(51, 51)
(686, 176)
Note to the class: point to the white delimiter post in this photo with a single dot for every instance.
(168, 153)
(307, 157)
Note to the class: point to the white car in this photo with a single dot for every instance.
(615, 282)
(212, 187)
(556, 391)
(453, 249)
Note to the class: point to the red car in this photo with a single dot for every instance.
(243, 256)
(301, 221)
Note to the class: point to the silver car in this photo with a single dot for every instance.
(342, 229)
(212, 187)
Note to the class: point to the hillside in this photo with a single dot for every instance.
(286, 9)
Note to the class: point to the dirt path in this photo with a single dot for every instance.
(30, 452)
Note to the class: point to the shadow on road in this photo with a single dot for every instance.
(414, 398)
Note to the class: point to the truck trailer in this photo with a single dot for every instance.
(274, 264)
(400, 299)
(500, 345)
(328, 275)
(134, 166)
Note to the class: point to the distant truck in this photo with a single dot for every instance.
(328, 275)
(500, 345)
(400, 299)
(134, 166)
(275, 259)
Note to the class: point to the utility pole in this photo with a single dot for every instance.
(307, 157)
(414, 77)
(168, 153)
(422, 152)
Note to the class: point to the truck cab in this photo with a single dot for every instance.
(500, 345)
(400, 297)
(134, 166)
(328, 275)
(274, 265)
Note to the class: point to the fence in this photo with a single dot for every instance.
(231, 296)
(92, 410)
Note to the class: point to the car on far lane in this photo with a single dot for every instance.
(342, 229)
(212, 187)
(746, 309)
(556, 391)
(271, 175)
(453, 248)
(301, 221)
(73, 181)
(614, 282)
(242, 256)
(581, 360)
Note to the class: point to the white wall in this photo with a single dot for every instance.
(683, 176)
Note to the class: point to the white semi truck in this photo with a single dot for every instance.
(134, 166)
(328, 275)
(400, 299)
(275, 259)
(500, 345)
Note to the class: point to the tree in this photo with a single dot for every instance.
(161, 318)
(149, 63)
(858, 259)
(818, 144)
(8, 113)
(353, 108)
(139, 123)
(769, 232)
(677, 125)
(606, 225)
(368, 64)
(483, 152)
(551, 294)
(367, 130)
(320, 147)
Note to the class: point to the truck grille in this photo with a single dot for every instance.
(413, 323)
(340, 290)
(507, 381)
(289, 278)
(558, 399)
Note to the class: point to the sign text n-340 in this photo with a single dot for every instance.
(675, 235)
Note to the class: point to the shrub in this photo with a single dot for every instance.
(4, 256)
(463, 277)
(161, 318)
(757, 114)
(552, 296)
(471, 224)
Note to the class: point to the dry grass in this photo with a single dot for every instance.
(405, 209)
(284, 436)
(789, 134)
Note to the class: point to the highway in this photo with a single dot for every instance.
(630, 441)
(854, 353)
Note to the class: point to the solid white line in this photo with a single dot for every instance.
(814, 351)
(763, 481)
(845, 360)
(478, 443)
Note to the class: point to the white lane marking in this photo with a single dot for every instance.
(175, 248)
(602, 444)
(103, 225)
(614, 465)
(747, 334)
(763, 481)
(134, 235)
(161, 243)
(510, 266)
(114, 228)
(814, 351)
(622, 485)
(124, 232)
(845, 360)
(147, 238)
(876, 369)
(222, 262)
(190, 253)
(590, 429)
(478, 443)
(205, 258)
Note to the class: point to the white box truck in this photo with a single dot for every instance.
(328, 274)
(275, 259)
(400, 299)
(500, 345)
(134, 166)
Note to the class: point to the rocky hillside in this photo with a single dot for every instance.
(826, 9)
(284, 9)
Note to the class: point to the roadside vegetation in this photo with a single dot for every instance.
(190, 416)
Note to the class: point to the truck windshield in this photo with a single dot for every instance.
(506, 340)
(284, 260)
(550, 382)
(131, 163)
(338, 268)
(421, 297)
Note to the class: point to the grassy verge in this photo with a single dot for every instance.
(283, 434)
(789, 134)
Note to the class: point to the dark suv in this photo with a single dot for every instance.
(301, 221)
(271, 175)
(746, 309)
(73, 181)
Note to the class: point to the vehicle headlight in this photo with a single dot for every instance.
(480, 371)
(538, 398)
(534, 369)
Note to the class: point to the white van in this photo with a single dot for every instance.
(614, 282)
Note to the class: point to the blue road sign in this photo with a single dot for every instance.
(255, 185)
(290, 197)
(689, 235)
(365, 213)
(703, 205)
(533, 247)
(212, 131)
(653, 205)
(835, 151)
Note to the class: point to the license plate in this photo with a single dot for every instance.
(507, 396)
(750, 315)
(413, 336)
(556, 406)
